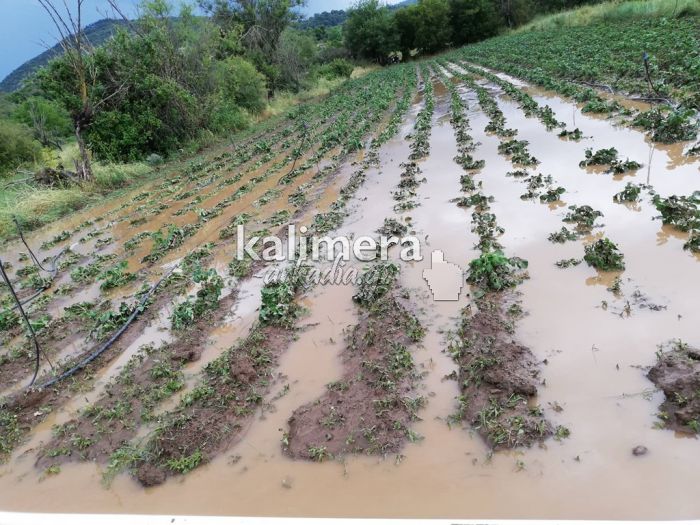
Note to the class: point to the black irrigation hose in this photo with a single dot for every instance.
(94, 355)
(31, 253)
(18, 304)
(54, 264)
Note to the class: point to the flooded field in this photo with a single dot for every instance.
(180, 416)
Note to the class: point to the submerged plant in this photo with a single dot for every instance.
(682, 212)
(375, 283)
(583, 216)
(392, 226)
(604, 255)
(601, 157)
(674, 126)
(207, 299)
(115, 277)
(629, 194)
(693, 242)
(494, 271)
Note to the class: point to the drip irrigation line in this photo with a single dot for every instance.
(52, 272)
(32, 333)
(105, 346)
(31, 253)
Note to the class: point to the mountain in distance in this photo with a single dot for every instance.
(100, 31)
(338, 16)
(96, 33)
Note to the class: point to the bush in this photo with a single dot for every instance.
(48, 119)
(338, 68)
(16, 146)
(242, 84)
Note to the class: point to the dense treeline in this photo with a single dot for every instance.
(375, 32)
(166, 80)
(170, 77)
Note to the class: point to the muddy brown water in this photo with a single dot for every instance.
(595, 357)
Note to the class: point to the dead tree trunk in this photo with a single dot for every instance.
(83, 167)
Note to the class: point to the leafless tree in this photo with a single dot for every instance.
(76, 48)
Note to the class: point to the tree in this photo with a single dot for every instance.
(296, 54)
(370, 31)
(434, 30)
(406, 21)
(48, 120)
(473, 20)
(262, 21)
(77, 57)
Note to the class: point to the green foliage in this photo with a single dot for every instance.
(670, 126)
(278, 304)
(583, 216)
(185, 464)
(375, 283)
(48, 120)
(428, 23)
(606, 53)
(242, 84)
(337, 68)
(493, 271)
(599, 158)
(682, 212)
(115, 277)
(629, 194)
(16, 146)
(604, 255)
(206, 299)
(370, 31)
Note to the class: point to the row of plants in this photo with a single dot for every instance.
(491, 401)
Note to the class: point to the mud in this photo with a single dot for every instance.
(371, 407)
(498, 376)
(150, 377)
(677, 374)
(31, 407)
(215, 417)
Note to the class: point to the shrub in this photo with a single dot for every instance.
(338, 68)
(242, 84)
(48, 119)
(16, 146)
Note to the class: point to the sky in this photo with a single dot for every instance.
(26, 29)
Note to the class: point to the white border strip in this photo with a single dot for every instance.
(15, 518)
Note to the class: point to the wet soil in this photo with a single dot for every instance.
(677, 374)
(498, 376)
(216, 417)
(150, 377)
(371, 407)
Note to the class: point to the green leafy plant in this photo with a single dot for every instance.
(604, 255)
(493, 271)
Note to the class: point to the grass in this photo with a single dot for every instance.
(613, 12)
(35, 207)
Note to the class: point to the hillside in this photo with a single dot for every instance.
(337, 17)
(96, 33)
